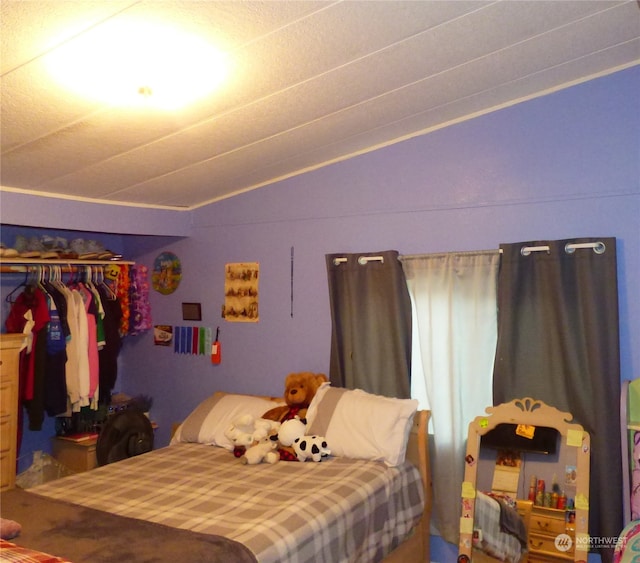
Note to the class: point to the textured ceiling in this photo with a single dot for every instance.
(310, 83)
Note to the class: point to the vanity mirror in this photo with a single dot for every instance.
(526, 471)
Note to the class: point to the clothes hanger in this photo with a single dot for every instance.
(10, 297)
(101, 283)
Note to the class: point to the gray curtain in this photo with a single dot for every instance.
(371, 323)
(558, 341)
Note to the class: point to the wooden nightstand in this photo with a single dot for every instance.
(547, 531)
(77, 456)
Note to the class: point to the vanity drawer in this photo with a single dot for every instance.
(549, 539)
(548, 521)
(542, 558)
(543, 547)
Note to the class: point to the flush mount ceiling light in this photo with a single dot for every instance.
(132, 64)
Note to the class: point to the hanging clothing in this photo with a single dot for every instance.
(55, 385)
(31, 305)
(558, 341)
(140, 319)
(75, 335)
(371, 323)
(31, 299)
(108, 355)
(122, 289)
(91, 313)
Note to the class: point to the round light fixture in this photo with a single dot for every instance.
(133, 63)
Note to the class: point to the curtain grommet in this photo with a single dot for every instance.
(598, 247)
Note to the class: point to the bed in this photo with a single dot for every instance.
(498, 530)
(193, 501)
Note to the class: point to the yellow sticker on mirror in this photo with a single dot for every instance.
(468, 490)
(526, 431)
(466, 525)
(582, 502)
(574, 438)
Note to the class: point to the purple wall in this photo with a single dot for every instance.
(559, 166)
(564, 165)
(17, 208)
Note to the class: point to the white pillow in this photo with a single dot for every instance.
(208, 421)
(360, 425)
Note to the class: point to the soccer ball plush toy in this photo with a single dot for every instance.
(291, 434)
(299, 390)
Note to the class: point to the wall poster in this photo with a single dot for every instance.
(167, 273)
(241, 292)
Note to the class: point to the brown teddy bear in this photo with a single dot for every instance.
(299, 390)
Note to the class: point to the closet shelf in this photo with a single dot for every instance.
(8, 265)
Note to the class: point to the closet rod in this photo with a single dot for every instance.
(17, 265)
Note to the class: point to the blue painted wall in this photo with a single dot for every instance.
(563, 165)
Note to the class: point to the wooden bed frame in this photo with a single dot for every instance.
(417, 547)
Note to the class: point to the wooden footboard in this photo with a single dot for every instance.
(417, 548)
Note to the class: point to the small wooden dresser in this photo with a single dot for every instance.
(550, 537)
(10, 345)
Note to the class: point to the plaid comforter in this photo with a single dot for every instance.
(488, 535)
(334, 511)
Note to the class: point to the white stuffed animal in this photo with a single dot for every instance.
(246, 430)
(261, 452)
(264, 429)
(290, 430)
(311, 447)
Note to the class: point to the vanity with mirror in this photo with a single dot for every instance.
(525, 495)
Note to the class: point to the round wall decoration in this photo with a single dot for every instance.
(167, 273)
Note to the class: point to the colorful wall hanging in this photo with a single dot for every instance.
(241, 292)
(167, 273)
(192, 340)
